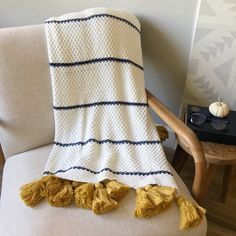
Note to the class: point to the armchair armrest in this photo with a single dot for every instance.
(187, 139)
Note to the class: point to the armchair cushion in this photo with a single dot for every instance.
(17, 219)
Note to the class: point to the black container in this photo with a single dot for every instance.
(206, 133)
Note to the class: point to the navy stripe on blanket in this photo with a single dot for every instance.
(110, 170)
(92, 17)
(95, 60)
(138, 104)
(92, 140)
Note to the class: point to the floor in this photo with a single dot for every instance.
(221, 217)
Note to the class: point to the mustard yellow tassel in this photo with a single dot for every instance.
(53, 185)
(163, 133)
(76, 184)
(33, 192)
(152, 200)
(102, 202)
(117, 190)
(59, 192)
(166, 194)
(83, 195)
(64, 196)
(144, 207)
(190, 213)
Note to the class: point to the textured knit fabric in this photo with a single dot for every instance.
(103, 129)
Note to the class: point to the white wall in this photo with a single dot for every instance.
(167, 29)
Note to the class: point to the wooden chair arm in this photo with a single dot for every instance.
(187, 139)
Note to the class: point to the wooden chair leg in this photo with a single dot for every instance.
(179, 159)
(226, 182)
(211, 168)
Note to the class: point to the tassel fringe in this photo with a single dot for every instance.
(33, 193)
(116, 190)
(152, 200)
(83, 195)
(100, 197)
(61, 196)
(105, 196)
(190, 213)
(163, 132)
(102, 202)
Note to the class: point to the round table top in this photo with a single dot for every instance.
(221, 154)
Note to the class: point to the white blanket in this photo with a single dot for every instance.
(103, 129)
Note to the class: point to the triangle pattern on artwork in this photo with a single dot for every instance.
(204, 85)
(212, 50)
(200, 80)
(208, 91)
(228, 41)
(206, 9)
(213, 96)
(205, 55)
(201, 33)
(188, 94)
(233, 33)
(193, 66)
(220, 46)
(223, 71)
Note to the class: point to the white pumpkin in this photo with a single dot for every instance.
(219, 109)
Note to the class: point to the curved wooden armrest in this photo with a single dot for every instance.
(187, 139)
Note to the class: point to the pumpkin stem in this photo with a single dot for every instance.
(219, 100)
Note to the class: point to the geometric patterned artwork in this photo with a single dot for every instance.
(212, 65)
(223, 71)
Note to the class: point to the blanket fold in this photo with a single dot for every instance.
(105, 139)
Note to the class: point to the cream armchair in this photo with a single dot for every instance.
(26, 134)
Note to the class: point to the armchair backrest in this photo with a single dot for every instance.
(26, 115)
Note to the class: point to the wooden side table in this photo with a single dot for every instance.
(216, 154)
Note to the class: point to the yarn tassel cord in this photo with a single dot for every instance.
(162, 132)
(152, 200)
(190, 214)
(105, 196)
